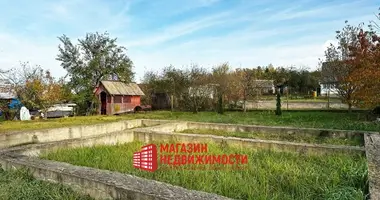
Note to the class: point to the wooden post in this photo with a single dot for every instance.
(287, 98)
(172, 102)
(328, 98)
(112, 105)
(257, 99)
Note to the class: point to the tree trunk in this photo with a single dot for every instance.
(172, 102)
(195, 106)
(278, 105)
(349, 107)
(245, 105)
(89, 109)
(220, 104)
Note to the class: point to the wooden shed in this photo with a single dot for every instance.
(116, 97)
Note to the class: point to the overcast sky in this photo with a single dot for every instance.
(246, 33)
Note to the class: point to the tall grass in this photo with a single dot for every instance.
(270, 175)
(315, 119)
(356, 141)
(20, 184)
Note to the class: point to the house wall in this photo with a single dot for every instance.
(124, 106)
(325, 89)
(114, 108)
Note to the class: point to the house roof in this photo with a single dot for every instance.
(6, 91)
(329, 72)
(120, 88)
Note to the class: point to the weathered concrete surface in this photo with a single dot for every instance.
(372, 146)
(103, 184)
(170, 127)
(105, 139)
(275, 129)
(148, 136)
(294, 105)
(59, 134)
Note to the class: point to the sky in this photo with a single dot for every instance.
(244, 33)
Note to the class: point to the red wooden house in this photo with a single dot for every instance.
(116, 97)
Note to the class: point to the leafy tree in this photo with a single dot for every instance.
(199, 90)
(337, 71)
(233, 93)
(36, 88)
(301, 81)
(172, 81)
(248, 84)
(365, 57)
(96, 57)
(221, 77)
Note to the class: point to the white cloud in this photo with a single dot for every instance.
(15, 50)
(329, 10)
(279, 55)
(178, 30)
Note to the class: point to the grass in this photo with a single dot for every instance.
(312, 119)
(357, 141)
(16, 185)
(270, 175)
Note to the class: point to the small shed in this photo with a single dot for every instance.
(116, 97)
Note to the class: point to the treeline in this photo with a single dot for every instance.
(197, 88)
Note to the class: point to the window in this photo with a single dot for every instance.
(117, 99)
(127, 99)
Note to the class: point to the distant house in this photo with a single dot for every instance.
(117, 97)
(6, 91)
(208, 90)
(328, 80)
(264, 86)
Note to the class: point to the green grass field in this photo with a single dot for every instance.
(17, 185)
(312, 119)
(270, 175)
(357, 141)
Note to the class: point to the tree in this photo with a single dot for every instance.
(339, 73)
(36, 88)
(220, 76)
(41, 92)
(366, 58)
(247, 80)
(234, 92)
(172, 81)
(94, 58)
(278, 104)
(199, 90)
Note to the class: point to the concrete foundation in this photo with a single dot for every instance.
(372, 144)
(103, 184)
(274, 129)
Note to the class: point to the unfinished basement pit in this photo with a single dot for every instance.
(102, 164)
(272, 175)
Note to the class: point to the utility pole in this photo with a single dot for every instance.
(287, 98)
(328, 98)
